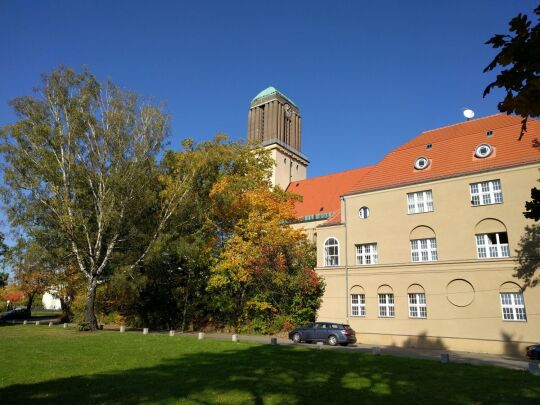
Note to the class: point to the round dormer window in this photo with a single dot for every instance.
(363, 212)
(483, 150)
(421, 163)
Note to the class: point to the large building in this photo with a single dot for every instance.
(421, 248)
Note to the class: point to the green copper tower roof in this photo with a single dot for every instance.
(269, 91)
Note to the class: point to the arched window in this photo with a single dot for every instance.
(358, 301)
(512, 302)
(423, 244)
(331, 252)
(386, 302)
(417, 301)
(491, 239)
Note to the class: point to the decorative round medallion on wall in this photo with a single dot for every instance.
(483, 150)
(460, 292)
(421, 163)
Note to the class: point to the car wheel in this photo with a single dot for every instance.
(332, 340)
(297, 338)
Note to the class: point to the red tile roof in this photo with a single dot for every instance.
(321, 194)
(452, 152)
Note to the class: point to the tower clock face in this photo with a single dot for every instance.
(288, 111)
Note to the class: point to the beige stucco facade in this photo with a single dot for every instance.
(462, 292)
(289, 166)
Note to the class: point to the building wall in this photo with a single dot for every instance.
(288, 167)
(461, 315)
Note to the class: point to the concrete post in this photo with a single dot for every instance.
(445, 358)
(65, 325)
(533, 367)
(201, 335)
(122, 329)
(50, 324)
(145, 331)
(320, 345)
(171, 333)
(25, 322)
(376, 351)
(37, 323)
(273, 341)
(234, 338)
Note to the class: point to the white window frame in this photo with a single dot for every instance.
(329, 258)
(424, 250)
(386, 305)
(417, 305)
(358, 305)
(513, 307)
(420, 202)
(487, 250)
(486, 193)
(366, 254)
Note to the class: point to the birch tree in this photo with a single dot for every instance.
(80, 160)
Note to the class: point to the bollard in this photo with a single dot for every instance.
(273, 341)
(50, 324)
(320, 345)
(122, 329)
(533, 367)
(37, 323)
(201, 335)
(376, 351)
(171, 333)
(25, 322)
(13, 321)
(445, 358)
(234, 338)
(145, 331)
(65, 325)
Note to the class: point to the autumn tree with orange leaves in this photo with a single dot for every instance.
(264, 278)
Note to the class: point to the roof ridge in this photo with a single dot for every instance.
(402, 147)
(332, 174)
(464, 122)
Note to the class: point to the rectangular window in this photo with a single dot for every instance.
(513, 307)
(386, 305)
(417, 305)
(367, 254)
(423, 250)
(421, 201)
(490, 245)
(486, 192)
(358, 305)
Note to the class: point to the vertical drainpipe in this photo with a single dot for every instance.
(346, 261)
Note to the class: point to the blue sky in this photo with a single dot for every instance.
(367, 76)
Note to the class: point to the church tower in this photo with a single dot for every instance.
(274, 123)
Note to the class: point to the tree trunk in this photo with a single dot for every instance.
(90, 320)
(30, 301)
(67, 313)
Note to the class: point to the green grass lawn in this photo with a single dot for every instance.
(41, 365)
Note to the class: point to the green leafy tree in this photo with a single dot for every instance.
(519, 61)
(79, 161)
(265, 270)
(168, 290)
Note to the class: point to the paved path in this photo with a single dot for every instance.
(431, 354)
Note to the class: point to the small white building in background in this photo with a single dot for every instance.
(50, 301)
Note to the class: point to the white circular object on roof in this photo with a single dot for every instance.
(468, 113)
(483, 150)
(421, 163)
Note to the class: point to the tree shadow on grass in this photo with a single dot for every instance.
(269, 374)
